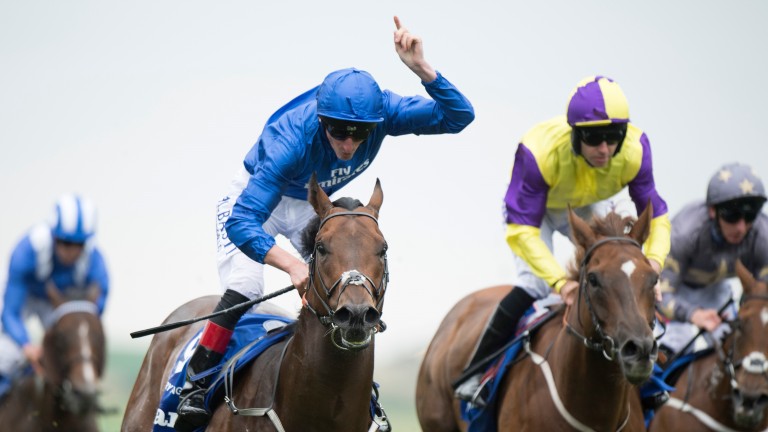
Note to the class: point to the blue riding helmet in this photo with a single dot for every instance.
(74, 219)
(351, 95)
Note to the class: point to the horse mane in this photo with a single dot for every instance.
(611, 225)
(310, 231)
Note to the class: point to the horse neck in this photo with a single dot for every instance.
(330, 387)
(312, 343)
(580, 371)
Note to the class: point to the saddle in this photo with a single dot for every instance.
(253, 334)
(483, 419)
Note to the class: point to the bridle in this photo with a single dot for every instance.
(68, 398)
(347, 278)
(602, 342)
(754, 363)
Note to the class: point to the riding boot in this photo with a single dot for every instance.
(191, 411)
(498, 331)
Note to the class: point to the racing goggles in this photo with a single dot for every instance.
(342, 130)
(594, 136)
(734, 212)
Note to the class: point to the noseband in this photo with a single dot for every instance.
(754, 363)
(603, 342)
(347, 278)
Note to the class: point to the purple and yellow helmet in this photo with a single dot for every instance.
(597, 101)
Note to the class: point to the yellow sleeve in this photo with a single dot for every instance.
(658, 243)
(525, 241)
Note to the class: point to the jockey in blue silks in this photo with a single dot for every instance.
(61, 252)
(334, 130)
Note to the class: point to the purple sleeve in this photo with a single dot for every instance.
(642, 187)
(526, 199)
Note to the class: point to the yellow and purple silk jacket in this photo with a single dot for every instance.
(547, 174)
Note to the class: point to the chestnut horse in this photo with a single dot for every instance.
(321, 379)
(582, 368)
(726, 390)
(65, 398)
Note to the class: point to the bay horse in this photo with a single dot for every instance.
(321, 379)
(726, 390)
(581, 369)
(65, 397)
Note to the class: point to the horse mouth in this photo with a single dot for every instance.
(353, 339)
(748, 413)
(638, 372)
(747, 418)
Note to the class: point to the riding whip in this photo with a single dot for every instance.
(171, 326)
(701, 332)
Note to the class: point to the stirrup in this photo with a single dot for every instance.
(190, 421)
(473, 390)
(379, 417)
(655, 401)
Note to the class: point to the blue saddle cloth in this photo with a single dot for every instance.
(484, 419)
(251, 329)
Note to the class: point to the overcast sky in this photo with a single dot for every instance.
(148, 107)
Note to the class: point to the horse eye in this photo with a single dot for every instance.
(321, 249)
(592, 279)
(383, 252)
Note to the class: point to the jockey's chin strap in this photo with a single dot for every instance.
(603, 342)
(350, 277)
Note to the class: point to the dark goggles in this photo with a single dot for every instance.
(595, 136)
(67, 243)
(340, 130)
(734, 212)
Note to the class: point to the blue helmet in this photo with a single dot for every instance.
(74, 219)
(351, 95)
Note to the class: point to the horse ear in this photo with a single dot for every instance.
(748, 281)
(642, 227)
(581, 233)
(318, 198)
(53, 293)
(376, 198)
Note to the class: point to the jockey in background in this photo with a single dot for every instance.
(580, 159)
(61, 253)
(334, 130)
(707, 239)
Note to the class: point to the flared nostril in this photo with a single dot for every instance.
(364, 316)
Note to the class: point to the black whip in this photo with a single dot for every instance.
(171, 326)
(701, 332)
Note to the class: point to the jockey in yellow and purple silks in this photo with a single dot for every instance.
(581, 160)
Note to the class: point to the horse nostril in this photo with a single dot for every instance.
(372, 316)
(643, 349)
(342, 316)
(356, 316)
(629, 350)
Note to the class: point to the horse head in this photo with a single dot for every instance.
(347, 267)
(615, 309)
(745, 352)
(74, 349)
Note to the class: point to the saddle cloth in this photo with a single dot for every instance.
(267, 329)
(483, 419)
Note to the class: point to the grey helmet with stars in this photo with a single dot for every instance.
(734, 181)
